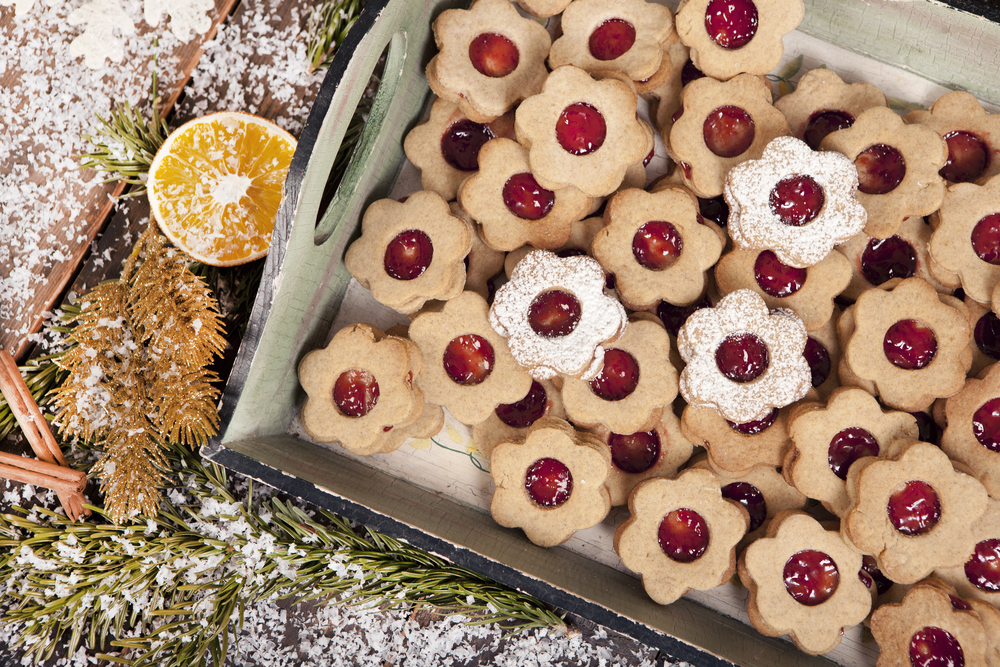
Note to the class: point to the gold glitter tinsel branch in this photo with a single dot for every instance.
(138, 374)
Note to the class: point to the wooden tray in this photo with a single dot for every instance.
(305, 281)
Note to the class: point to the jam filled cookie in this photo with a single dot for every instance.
(582, 132)
(490, 58)
(728, 37)
(912, 511)
(828, 439)
(446, 148)
(720, 125)
(482, 262)
(803, 582)
(908, 344)
(625, 35)
(510, 421)
(979, 577)
(556, 317)
(972, 435)
(823, 355)
(897, 167)
(360, 387)
(742, 359)
(551, 484)
(972, 135)
(543, 8)
(512, 207)
(736, 448)
(822, 103)
(422, 246)
(795, 201)
(581, 236)
(985, 343)
(636, 384)
(654, 258)
(681, 534)
(665, 99)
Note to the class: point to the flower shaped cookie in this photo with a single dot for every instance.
(582, 132)
(490, 58)
(746, 38)
(666, 97)
(807, 292)
(742, 359)
(795, 201)
(581, 236)
(823, 103)
(510, 421)
(962, 242)
(972, 135)
(543, 8)
(555, 315)
(624, 36)
(421, 245)
(736, 448)
(984, 344)
(656, 248)
(722, 124)
(897, 167)
(977, 577)
(681, 534)
(828, 439)
(359, 388)
(823, 354)
(513, 209)
(973, 432)
(635, 386)
(910, 345)
(912, 511)
(552, 484)
(483, 262)
(803, 582)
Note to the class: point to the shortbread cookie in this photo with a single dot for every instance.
(973, 432)
(483, 262)
(656, 248)
(897, 167)
(490, 58)
(681, 534)
(582, 132)
(543, 8)
(985, 343)
(912, 511)
(737, 448)
(743, 359)
(510, 421)
(581, 236)
(720, 125)
(972, 135)
(551, 484)
(978, 577)
(556, 317)
(823, 355)
(665, 99)
(727, 37)
(795, 201)
(803, 582)
(422, 247)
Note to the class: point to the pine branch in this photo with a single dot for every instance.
(327, 27)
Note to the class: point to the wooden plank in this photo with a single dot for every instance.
(54, 254)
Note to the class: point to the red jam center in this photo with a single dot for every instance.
(822, 123)
(847, 447)
(882, 582)
(612, 39)
(674, 317)
(968, 157)
(755, 427)
(548, 482)
(776, 278)
(742, 357)
(581, 129)
(525, 412)
(525, 198)
(987, 335)
(983, 569)
(986, 238)
(715, 209)
(408, 255)
(819, 361)
(618, 377)
(468, 359)
(880, 169)
(986, 425)
(493, 55)
(909, 345)
(914, 508)
(885, 259)
(797, 200)
(959, 604)
(355, 392)
(927, 429)
(811, 577)
(933, 647)
(683, 535)
(634, 453)
(689, 73)
(731, 23)
(554, 313)
(728, 131)
(657, 245)
(751, 498)
(461, 142)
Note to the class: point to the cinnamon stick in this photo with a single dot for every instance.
(73, 477)
(58, 485)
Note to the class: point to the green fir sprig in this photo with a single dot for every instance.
(327, 27)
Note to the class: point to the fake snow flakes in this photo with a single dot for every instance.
(107, 25)
(187, 17)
